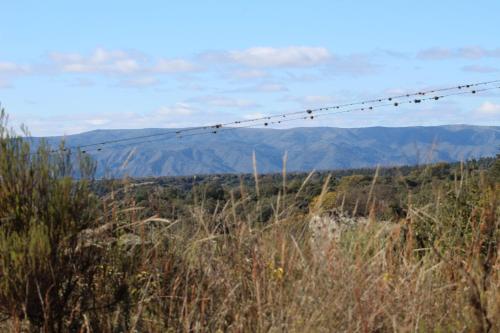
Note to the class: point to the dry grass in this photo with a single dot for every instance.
(220, 272)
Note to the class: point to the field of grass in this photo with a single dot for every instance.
(389, 250)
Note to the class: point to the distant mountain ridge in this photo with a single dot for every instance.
(307, 148)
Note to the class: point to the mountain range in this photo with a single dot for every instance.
(307, 148)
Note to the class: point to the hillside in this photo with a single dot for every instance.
(308, 148)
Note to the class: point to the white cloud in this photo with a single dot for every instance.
(192, 86)
(292, 56)
(100, 60)
(65, 57)
(396, 91)
(176, 115)
(173, 66)
(244, 64)
(230, 103)
(105, 61)
(354, 64)
(480, 69)
(76, 123)
(101, 55)
(7, 67)
(312, 100)
(468, 52)
(139, 82)
(249, 74)
(97, 121)
(489, 108)
(224, 102)
(392, 53)
(266, 87)
(270, 87)
(179, 109)
(253, 115)
(124, 66)
(81, 82)
(250, 62)
(5, 84)
(472, 52)
(435, 53)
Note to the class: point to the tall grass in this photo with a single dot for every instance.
(73, 262)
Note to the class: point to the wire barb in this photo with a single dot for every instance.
(286, 117)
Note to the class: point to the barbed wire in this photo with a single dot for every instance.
(258, 121)
(311, 115)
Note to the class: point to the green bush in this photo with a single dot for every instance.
(46, 272)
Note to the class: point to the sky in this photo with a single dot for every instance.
(68, 67)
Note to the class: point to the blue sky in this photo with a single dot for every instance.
(67, 68)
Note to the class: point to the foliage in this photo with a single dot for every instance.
(45, 273)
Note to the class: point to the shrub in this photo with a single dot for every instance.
(46, 274)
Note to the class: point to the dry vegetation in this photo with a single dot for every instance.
(74, 261)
